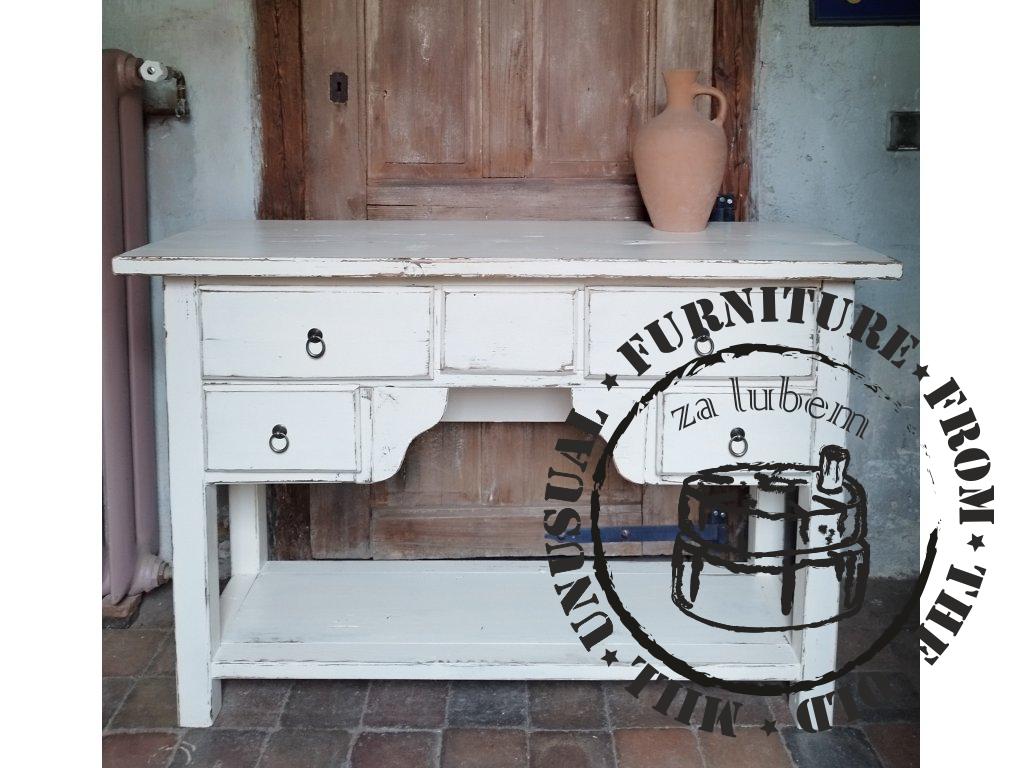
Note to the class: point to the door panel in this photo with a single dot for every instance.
(424, 88)
(590, 85)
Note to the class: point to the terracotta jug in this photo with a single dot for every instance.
(680, 156)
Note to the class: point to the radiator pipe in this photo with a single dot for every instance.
(130, 523)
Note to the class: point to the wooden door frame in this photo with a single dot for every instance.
(278, 29)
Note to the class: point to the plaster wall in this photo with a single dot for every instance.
(820, 123)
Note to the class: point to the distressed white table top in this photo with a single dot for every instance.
(509, 249)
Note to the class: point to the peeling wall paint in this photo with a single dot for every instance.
(203, 169)
(821, 101)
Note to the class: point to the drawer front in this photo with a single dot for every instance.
(509, 331)
(320, 430)
(695, 432)
(613, 316)
(363, 333)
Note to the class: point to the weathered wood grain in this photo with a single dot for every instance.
(333, 37)
(339, 521)
(735, 56)
(590, 76)
(282, 114)
(494, 531)
(423, 88)
(532, 199)
(288, 524)
(683, 40)
(507, 87)
(465, 489)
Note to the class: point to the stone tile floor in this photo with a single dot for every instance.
(397, 724)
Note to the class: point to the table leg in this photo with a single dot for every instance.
(196, 606)
(193, 512)
(768, 535)
(816, 647)
(247, 510)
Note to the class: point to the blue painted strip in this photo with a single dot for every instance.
(617, 533)
(613, 533)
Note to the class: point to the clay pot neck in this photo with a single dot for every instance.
(680, 85)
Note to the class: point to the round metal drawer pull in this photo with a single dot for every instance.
(313, 337)
(738, 442)
(703, 345)
(279, 432)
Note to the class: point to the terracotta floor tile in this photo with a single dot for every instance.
(752, 710)
(252, 703)
(628, 712)
(879, 696)
(114, 691)
(562, 749)
(483, 748)
(897, 744)
(406, 703)
(779, 706)
(218, 748)
(839, 747)
(151, 703)
(157, 609)
(138, 750)
(487, 703)
(127, 652)
(165, 661)
(324, 704)
(567, 706)
(657, 748)
(307, 748)
(750, 746)
(393, 749)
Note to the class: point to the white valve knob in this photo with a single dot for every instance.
(153, 71)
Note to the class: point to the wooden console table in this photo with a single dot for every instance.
(316, 352)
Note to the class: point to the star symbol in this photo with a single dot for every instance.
(610, 381)
(921, 371)
(610, 657)
(976, 541)
(769, 727)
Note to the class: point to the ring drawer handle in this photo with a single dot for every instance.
(313, 338)
(279, 432)
(738, 442)
(703, 345)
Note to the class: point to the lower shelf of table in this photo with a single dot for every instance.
(482, 620)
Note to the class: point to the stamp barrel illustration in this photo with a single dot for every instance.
(837, 511)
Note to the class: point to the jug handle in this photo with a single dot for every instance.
(723, 104)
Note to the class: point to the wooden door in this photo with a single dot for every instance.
(488, 108)
(469, 109)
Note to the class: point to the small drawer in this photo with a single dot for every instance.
(286, 430)
(322, 334)
(698, 430)
(509, 331)
(614, 316)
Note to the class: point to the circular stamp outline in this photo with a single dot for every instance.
(604, 578)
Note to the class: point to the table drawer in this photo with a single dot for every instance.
(615, 315)
(691, 438)
(320, 430)
(362, 333)
(509, 331)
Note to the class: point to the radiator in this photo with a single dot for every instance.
(130, 526)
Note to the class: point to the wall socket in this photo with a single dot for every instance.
(904, 132)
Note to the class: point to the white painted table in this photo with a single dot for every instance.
(420, 322)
